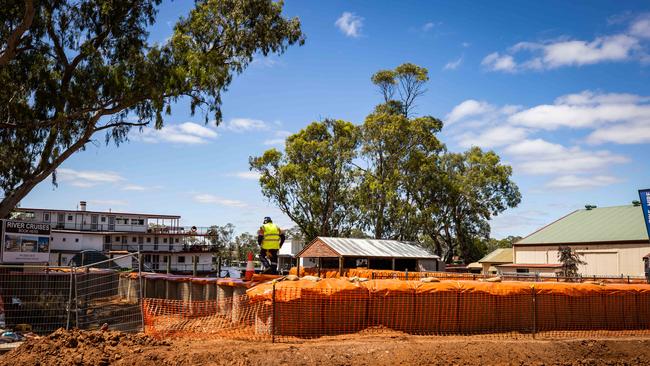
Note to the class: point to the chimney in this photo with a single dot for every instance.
(82, 206)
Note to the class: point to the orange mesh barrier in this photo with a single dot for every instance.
(304, 309)
(378, 274)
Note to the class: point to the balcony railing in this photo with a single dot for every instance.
(175, 248)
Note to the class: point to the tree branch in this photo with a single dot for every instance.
(16, 37)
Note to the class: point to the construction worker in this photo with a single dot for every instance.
(270, 237)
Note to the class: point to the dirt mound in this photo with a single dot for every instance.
(78, 347)
(382, 349)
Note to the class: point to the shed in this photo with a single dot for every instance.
(497, 257)
(370, 253)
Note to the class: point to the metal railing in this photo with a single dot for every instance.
(45, 298)
(161, 247)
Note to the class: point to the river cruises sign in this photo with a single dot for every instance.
(25, 242)
(644, 195)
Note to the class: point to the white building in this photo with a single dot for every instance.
(612, 241)
(165, 244)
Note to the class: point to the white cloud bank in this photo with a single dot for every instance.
(87, 178)
(615, 118)
(453, 65)
(563, 52)
(219, 201)
(245, 175)
(350, 24)
(184, 133)
(239, 125)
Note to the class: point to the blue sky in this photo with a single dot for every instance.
(559, 89)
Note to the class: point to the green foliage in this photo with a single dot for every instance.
(569, 260)
(310, 182)
(221, 239)
(71, 70)
(245, 243)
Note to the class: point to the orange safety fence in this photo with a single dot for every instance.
(306, 309)
(377, 274)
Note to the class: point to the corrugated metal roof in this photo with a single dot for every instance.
(376, 248)
(501, 255)
(606, 224)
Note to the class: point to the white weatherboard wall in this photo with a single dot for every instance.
(602, 260)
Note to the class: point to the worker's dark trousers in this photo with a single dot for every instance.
(269, 259)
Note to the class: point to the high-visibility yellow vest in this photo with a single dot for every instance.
(271, 236)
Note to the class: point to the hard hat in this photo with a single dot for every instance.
(267, 220)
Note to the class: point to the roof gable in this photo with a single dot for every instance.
(606, 224)
(500, 255)
(370, 248)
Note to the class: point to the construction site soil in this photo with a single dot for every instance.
(388, 348)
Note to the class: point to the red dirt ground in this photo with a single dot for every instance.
(114, 348)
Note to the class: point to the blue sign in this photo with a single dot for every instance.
(644, 195)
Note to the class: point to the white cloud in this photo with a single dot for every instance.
(184, 133)
(279, 138)
(245, 175)
(465, 44)
(563, 52)
(350, 24)
(627, 133)
(493, 137)
(245, 125)
(568, 160)
(468, 108)
(87, 178)
(497, 62)
(134, 187)
(215, 200)
(430, 25)
(585, 110)
(534, 147)
(139, 188)
(453, 65)
(578, 182)
(640, 27)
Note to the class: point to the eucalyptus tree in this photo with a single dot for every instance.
(311, 181)
(71, 70)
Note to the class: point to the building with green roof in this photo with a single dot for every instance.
(611, 240)
(486, 265)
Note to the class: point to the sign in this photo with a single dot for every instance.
(644, 196)
(25, 242)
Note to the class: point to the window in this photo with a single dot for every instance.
(181, 259)
(46, 217)
(148, 240)
(107, 239)
(137, 221)
(134, 239)
(523, 270)
(117, 239)
(165, 259)
(176, 240)
(69, 217)
(121, 221)
(165, 240)
(76, 240)
(103, 219)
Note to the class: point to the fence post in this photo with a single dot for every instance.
(76, 296)
(194, 265)
(141, 295)
(67, 321)
(273, 317)
(534, 311)
(406, 274)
